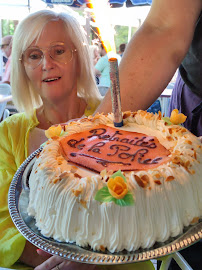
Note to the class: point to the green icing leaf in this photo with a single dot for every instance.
(63, 133)
(43, 144)
(103, 195)
(126, 201)
(118, 173)
(167, 120)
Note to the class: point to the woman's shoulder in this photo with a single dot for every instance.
(14, 129)
(13, 120)
(16, 121)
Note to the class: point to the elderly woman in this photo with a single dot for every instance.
(52, 82)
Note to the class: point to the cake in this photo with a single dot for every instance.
(113, 188)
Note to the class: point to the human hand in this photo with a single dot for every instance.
(58, 263)
(31, 257)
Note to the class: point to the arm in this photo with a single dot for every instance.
(30, 256)
(7, 74)
(13, 245)
(97, 72)
(99, 67)
(155, 52)
(11, 241)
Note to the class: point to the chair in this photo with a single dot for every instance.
(182, 263)
(5, 91)
(6, 114)
(165, 99)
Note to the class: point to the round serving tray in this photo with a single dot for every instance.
(18, 201)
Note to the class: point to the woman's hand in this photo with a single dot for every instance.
(31, 257)
(58, 263)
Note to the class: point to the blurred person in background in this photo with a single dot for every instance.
(122, 48)
(95, 56)
(102, 70)
(6, 47)
(5, 59)
(94, 52)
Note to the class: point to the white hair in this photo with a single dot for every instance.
(28, 30)
(92, 50)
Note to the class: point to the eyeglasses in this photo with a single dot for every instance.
(60, 52)
(3, 45)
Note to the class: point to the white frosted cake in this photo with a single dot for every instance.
(117, 188)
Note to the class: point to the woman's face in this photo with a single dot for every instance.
(52, 79)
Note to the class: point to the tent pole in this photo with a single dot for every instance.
(28, 4)
(87, 26)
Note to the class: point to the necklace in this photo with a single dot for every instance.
(46, 118)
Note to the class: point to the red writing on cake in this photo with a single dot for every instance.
(108, 148)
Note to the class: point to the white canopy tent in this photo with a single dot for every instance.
(18, 9)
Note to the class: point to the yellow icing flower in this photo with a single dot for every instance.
(177, 118)
(117, 187)
(53, 131)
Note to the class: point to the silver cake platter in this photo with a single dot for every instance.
(18, 199)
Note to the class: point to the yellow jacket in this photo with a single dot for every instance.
(13, 151)
(14, 147)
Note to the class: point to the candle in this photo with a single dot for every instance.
(115, 92)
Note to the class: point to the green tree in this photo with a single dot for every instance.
(8, 27)
(121, 34)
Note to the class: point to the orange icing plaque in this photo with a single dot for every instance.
(104, 147)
